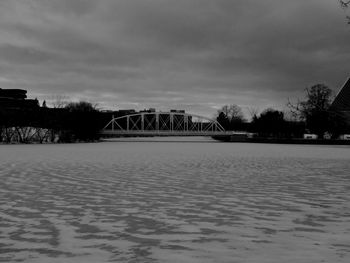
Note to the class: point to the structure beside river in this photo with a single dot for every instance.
(341, 102)
(16, 99)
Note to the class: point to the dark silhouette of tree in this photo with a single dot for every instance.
(60, 101)
(223, 120)
(37, 102)
(83, 121)
(26, 123)
(81, 106)
(270, 123)
(337, 123)
(315, 111)
(315, 108)
(231, 117)
(253, 111)
(318, 99)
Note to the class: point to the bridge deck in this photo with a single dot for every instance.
(167, 133)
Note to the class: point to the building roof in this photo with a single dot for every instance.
(342, 100)
(13, 93)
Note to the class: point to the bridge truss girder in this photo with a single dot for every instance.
(163, 122)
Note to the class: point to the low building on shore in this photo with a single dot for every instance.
(16, 99)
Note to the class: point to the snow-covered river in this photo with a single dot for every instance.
(174, 200)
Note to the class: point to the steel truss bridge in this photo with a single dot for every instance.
(163, 124)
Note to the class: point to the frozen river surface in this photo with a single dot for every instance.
(171, 201)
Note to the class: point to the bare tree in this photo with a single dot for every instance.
(231, 117)
(315, 109)
(253, 112)
(345, 5)
(25, 134)
(295, 110)
(39, 135)
(318, 98)
(60, 101)
(8, 133)
(232, 112)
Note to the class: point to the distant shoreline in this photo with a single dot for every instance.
(222, 139)
(285, 140)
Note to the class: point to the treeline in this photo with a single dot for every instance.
(314, 114)
(269, 123)
(76, 121)
(82, 121)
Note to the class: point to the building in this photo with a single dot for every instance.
(177, 111)
(148, 110)
(13, 93)
(16, 99)
(342, 100)
(341, 103)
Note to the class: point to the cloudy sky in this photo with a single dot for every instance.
(187, 54)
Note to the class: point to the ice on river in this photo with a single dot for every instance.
(174, 201)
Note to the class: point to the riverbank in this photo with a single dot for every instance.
(282, 140)
(233, 139)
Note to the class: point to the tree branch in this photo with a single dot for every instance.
(344, 4)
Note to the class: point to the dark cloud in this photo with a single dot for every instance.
(195, 54)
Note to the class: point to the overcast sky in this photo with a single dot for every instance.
(195, 55)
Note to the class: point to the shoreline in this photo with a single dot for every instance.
(49, 143)
(285, 140)
(230, 139)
